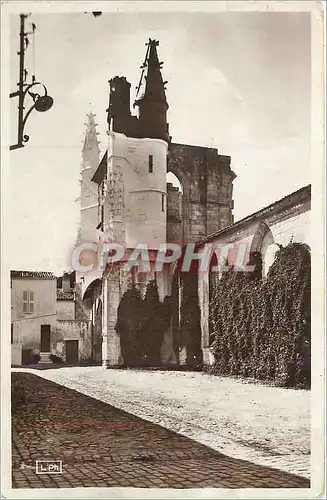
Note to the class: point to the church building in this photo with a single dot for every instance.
(125, 198)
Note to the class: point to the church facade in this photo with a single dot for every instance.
(125, 198)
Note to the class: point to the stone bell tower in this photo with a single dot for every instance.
(132, 178)
(134, 183)
(89, 191)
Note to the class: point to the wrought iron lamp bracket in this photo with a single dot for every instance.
(41, 102)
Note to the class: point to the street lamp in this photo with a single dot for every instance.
(41, 100)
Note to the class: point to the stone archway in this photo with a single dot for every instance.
(90, 311)
(177, 206)
(261, 240)
(92, 292)
(207, 181)
(85, 297)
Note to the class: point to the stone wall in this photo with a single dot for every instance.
(111, 295)
(297, 228)
(16, 355)
(135, 201)
(284, 221)
(207, 181)
(65, 309)
(44, 297)
(72, 330)
(28, 331)
(174, 214)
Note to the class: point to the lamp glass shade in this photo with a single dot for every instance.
(44, 103)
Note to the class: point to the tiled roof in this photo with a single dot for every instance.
(42, 275)
(65, 294)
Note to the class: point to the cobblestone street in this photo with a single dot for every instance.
(268, 426)
(101, 446)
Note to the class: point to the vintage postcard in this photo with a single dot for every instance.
(162, 250)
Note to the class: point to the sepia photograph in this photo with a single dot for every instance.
(162, 200)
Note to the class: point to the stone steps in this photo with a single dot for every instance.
(44, 357)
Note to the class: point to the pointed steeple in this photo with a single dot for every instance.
(91, 139)
(151, 84)
(151, 96)
(89, 190)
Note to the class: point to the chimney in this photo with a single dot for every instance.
(66, 282)
(119, 104)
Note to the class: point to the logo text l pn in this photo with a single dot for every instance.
(48, 467)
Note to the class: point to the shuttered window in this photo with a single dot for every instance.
(28, 302)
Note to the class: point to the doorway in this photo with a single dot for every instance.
(71, 351)
(45, 338)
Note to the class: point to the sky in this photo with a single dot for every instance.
(237, 81)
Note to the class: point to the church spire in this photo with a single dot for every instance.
(89, 190)
(151, 96)
(91, 140)
(151, 85)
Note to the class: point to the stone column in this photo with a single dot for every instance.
(203, 290)
(104, 323)
(111, 352)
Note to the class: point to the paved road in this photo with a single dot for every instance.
(268, 426)
(100, 445)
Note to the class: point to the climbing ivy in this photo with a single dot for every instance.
(141, 325)
(129, 326)
(190, 327)
(153, 328)
(261, 328)
(289, 294)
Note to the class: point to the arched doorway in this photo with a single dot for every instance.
(91, 306)
(90, 295)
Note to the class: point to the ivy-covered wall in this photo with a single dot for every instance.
(261, 328)
(190, 327)
(141, 325)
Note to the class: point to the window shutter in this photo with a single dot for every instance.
(25, 302)
(28, 302)
(31, 302)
